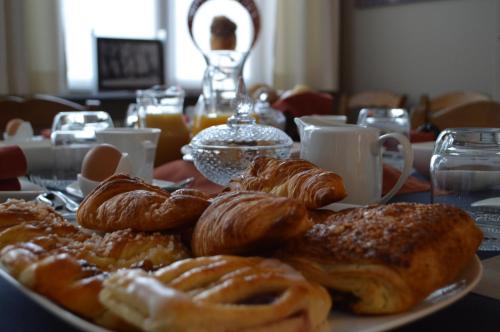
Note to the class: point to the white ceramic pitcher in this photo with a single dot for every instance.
(355, 153)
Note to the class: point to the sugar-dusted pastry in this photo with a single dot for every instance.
(15, 211)
(386, 258)
(292, 178)
(123, 202)
(248, 223)
(219, 293)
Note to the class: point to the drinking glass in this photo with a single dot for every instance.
(73, 134)
(162, 108)
(387, 120)
(465, 171)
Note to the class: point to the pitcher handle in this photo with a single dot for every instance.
(408, 163)
(149, 152)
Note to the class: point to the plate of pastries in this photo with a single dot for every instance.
(262, 255)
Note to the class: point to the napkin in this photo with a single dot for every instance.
(178, 170)
(421, 136)
(12, 165)
(490, 282)
(412, 184)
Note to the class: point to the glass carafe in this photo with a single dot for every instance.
(219, 88)
(224, 31)
(163, 108)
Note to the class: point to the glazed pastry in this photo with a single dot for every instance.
(219, 293)
(128, 249)
(123, 202)
(292, 178)
(248, 223)
(385, 259)
(73, 284)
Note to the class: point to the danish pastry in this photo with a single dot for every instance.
(219, 293)
(122, 202)
(386, 258)
(248, 223)
(293, 178)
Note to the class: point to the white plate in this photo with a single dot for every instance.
(337, 322)
(28, 191)
(74, 189)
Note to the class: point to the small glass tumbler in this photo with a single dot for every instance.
(388, 120)
(73, 134)
(465, 172)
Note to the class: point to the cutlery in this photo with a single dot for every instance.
(177, 185)
(58, 200)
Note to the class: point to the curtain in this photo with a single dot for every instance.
(307, 44)
(31, 47)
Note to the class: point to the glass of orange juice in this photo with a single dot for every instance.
(163, 108)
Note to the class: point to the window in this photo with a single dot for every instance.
(148, 19)
(104, 18)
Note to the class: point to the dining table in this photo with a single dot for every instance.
(473, 312)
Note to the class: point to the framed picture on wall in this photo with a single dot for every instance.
(129, 64)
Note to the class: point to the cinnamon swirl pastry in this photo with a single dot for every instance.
(293, 178)
(219, 293)
(122, 202)
(248, 223)
(386, 258)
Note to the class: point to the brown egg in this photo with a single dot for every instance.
(100, 162)
(12, 126)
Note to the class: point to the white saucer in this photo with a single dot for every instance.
(74, 189)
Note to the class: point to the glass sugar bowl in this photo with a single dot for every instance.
(225, 151)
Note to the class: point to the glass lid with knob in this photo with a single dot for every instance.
(223, 151)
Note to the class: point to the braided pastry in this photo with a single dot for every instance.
(248, 223)
(386, 258)
(292, 178)
(122, 202)
(15, 211)
(219, 293)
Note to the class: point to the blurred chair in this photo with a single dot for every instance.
(41, 109)
(421, 114)
(10, 107)
(351, 105)
(483, 113)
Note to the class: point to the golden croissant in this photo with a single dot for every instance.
(293, 178)
(122, 202)
(248, 223)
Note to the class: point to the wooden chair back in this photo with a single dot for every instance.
(350, 105)
(41, 110)
(422, 113)
(483, 113)
(10, 107)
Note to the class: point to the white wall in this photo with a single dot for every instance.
(428, 47)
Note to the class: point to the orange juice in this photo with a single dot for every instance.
(207, 120)
(174, 134)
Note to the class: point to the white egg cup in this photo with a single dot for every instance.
(87, 186)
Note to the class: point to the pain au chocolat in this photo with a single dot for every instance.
(122, 202)
(385, 259)
(218, 293)
(294, 178)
